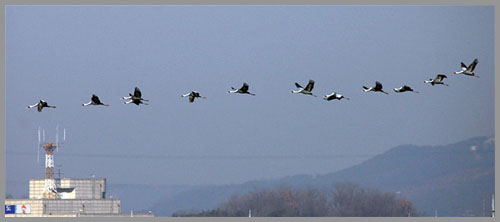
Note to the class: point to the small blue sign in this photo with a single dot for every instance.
(10, 209)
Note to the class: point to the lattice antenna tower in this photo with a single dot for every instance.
(49, 190)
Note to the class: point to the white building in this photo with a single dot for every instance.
(75, 197)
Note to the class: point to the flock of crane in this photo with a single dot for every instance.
(137, 99)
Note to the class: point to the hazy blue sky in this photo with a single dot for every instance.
(65, 54)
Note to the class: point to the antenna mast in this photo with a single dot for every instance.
(49, 190)
(38, 146)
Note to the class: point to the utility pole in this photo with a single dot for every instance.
(59, 171)
(493, 205)
(484, 207)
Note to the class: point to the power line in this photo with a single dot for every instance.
(145, 156)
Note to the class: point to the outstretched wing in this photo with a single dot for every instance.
(298, 86)
(195, 94)
(472, 66)
(137, 92)
(95, 99)
(378, 85)
(310, 85)
(407, 88)
(244, 88)
(331, 96)
(440, 77)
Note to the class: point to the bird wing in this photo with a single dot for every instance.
(440, 77)
(95, 99)
(191, 98)
(298, 86)
(327, 97)
(244, 88)
(472, 66)
(137, 92)
(195, 94)
(378, 85)
(463, 65)
(310, 85)
(40, 108)
(407, 88)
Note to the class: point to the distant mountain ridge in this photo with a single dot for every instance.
(452, 180)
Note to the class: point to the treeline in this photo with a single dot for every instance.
(341, 200)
